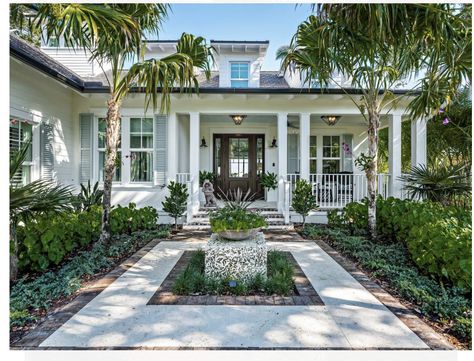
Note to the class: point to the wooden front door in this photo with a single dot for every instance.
(239, 162)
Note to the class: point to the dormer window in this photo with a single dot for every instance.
(239, 74)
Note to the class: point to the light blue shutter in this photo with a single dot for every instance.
(85, 124)
(346, 158)
(160, 154)
(47, 151)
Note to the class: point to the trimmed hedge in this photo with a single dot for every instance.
(448, 305)
(439, 238)
(48, 239)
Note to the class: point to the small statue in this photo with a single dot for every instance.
(208, 191)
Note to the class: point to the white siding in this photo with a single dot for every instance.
(38, 94)
(77, 61)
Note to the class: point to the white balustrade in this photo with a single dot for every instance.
(337, 190)
(183, 178)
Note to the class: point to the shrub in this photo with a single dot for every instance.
(303, 200)
(203, 175)
(448, 305)
(269, 180)
(29, 295)
(175, 203)
(438, 238)
(48, 239)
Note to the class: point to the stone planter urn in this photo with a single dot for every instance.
(238, 235)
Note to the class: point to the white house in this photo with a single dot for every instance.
(60, 102)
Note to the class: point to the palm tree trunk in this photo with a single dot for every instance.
(371, 170)
(13, 254)
(111, 143)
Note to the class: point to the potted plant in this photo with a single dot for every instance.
(234, 221)
(175, 204)
(269, 181)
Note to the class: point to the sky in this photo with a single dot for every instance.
(274, 22)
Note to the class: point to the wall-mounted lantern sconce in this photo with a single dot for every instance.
(203, 143)
(274, 143)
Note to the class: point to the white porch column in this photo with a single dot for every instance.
(418, 142)
(172, 147)
(194, 157)
(282, 156)
(304, 145)
(395, 154)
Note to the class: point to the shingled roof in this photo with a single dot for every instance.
(270, 81)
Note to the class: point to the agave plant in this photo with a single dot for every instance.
(89, 196)
(27, 201)
(236, 199)
(445, 184)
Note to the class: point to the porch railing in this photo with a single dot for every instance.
(336, 190)
(183, 177)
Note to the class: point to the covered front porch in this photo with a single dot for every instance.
(291, 145)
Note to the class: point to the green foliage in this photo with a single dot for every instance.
(279, 279)
(89, 196)
(130, 219)
(29, 295)
(48, 239)
(447, 184)
(303, 200)
(203, 175)
(269, 180)
(364, 162)
(236, 219)
(392, 263)
(175, 203)
(439, 238)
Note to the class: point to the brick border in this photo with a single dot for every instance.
(434, 340)
(306, 294)
(52, 322)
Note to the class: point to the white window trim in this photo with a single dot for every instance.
(239, 79)
(150, 150)
(97, 150)
(125, 116)
(323, 158)
(35, 121)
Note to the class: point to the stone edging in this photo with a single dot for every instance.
(34, 338)
(414, 323)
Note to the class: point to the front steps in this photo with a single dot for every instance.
(275, 220)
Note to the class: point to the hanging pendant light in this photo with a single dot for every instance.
(238, 118)
(331, 119)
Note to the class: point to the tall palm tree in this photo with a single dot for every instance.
(113, 33)
(27, 201)
(378, 46)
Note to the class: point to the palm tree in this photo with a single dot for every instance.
(378, 46)
(27, 201)
(113, 33)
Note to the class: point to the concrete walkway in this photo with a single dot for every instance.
(352, 318)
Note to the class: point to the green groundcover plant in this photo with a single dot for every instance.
(279, 279)
(445, 304)
(28, 297)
